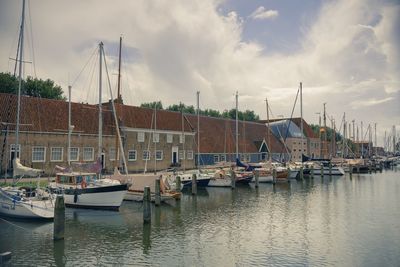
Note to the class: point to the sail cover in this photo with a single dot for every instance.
(21, 170)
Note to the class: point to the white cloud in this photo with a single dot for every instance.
(261, 13)
(185, 46)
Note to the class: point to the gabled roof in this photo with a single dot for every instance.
(217, 135)
(307, 130)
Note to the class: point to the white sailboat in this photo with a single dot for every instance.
(87, 189)
(24, 202)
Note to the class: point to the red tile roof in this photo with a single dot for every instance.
(217, 134)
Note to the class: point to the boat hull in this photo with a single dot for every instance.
(35, 209)
(138, 196)
(105, 197)
(336, 171)
(220, 182)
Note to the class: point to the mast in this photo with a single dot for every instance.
(268, 135)
(375, 142)
(237, 133)
(362, 140)
(21, 50)
(69, 126)
(301, 120)
(118, 100)
(183, 138)
(100, 144)
(394, 140)
(155, 144)
(344, 134)
(325, 133)
(198, 129)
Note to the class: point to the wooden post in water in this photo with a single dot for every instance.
(4, 257)
(257, 178)
(312, 172)
(178, 184)
(59, 218)
(351, 172)
(322, 171)
(233, 179)
(330, 168)
(274, 176)
(370, 168)
(194, 184)
(301, 173)
(146, 205)
(157, 196)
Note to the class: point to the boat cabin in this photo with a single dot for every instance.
(75, 178)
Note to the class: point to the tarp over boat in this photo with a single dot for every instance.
(21, 170)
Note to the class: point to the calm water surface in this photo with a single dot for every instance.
(319, 222)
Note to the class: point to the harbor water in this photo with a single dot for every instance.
(329, 221)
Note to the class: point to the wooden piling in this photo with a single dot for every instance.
(194, 184)
(233, 179)
(370, 168)
(351, 172)
(146, 205)
(256, 178)
(301, 173)
(322, 170)
(330, 168)
(4, 257)
(312, 172)
(178, 184)
(59, 218)
(274, 176)
(157, 196)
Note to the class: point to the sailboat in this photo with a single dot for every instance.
(24, 202)
(88, 189)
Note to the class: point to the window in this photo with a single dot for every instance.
(247, 157)
(132, 155)
(111, 153)
(216, 158)
(146, 154)
(73, 153)
(140, 137)
(169, 138)
(156, 137)
(222, 158)
(56, 154)
(159, 155)
(241, 157)
(182, 154)
(181, 138)
(190, 154)
(88, 153)
(12, 149)
(38, 154)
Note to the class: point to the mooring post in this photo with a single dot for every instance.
(312, 171)
(370, 168)
(157, 197)
(233, 179)
(330, 168)
(351, 172)
(322, 170)
(301, 173)
(146, 205)
(194, 184)
(274, 176)
(59, 218)
(178, 184)
(256, 177)
(4, 257)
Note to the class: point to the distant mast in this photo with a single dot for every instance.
(268, 135)
(100, 144)
(198, 129)
(301, 120)
(237, 133)
(118, 101)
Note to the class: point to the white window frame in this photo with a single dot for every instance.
(77, 154)
(148, 155)
(216, 158)
(222, 157)
(52, 153)
(112, 153)
(189, 154)
(157, 155)
(44, 154)
(156, 137)
(12, 149)
(140, 137)
(170, 138)
(133, 159)
(181, 154)
(83, 153)
(181, 138)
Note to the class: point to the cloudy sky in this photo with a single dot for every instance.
(346, 52)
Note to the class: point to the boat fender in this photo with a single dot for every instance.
(83, 184)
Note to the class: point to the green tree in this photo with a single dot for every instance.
(31, 86)
(158, 104)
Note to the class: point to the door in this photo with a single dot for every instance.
(13, 155)
(103, 161)
(175, 159)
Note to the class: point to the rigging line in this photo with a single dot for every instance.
(95, 50)
(291, 115)
(31, 35)
(91, 76)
